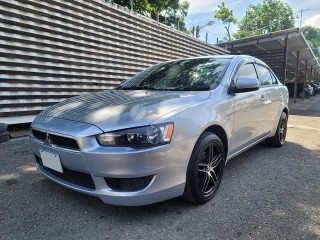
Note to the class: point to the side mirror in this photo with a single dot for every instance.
(244, 84)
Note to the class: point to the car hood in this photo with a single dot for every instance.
(120, 109)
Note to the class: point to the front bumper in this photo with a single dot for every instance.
(163, 166)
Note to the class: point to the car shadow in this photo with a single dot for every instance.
(271, 189)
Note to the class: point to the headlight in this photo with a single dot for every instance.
(148, 136)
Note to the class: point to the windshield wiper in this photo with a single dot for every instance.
(139, 88)
(192, 89)
(164, 89)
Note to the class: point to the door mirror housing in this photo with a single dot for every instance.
(244, 84)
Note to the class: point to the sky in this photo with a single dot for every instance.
(201, 12)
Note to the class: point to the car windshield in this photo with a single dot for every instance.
(181, 75)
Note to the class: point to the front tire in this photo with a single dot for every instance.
(279, 138)
(205, 169)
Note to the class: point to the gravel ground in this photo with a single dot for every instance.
(266, 193)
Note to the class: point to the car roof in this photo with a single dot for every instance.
(231, 57)
(215, 56)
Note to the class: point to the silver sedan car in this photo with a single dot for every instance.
(166, 132)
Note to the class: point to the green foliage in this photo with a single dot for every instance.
(169, 12)
(175, 14)
(264, 17)
(141, 6)
(312, 34)
(225, 15)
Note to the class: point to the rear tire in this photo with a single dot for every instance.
(279, 138)
(205, 169)
(3, 127)
(4, 137)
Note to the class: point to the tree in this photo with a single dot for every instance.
(312, 34)
(169, 12)
(175, 14)
(264, 17)
(226, 17)
(141, 6)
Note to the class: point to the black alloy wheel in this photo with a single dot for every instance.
(283, 128)
(205, 169)
(279, 138)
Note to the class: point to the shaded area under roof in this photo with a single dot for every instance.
(279, 50)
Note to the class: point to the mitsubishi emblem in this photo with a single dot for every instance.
(47, 140)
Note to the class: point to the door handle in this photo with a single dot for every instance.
(263, 98)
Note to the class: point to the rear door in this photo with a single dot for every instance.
(273, 95)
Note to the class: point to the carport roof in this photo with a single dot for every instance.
(271, 48)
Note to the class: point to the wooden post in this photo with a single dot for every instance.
(296, 77)
(285, 60)
(311, 77)
(305, 78)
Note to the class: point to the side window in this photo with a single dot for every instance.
(265, 76)
(246, 70)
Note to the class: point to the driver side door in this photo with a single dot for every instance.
(249, 112)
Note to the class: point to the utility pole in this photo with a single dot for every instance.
(197, 32)
(198, 28)
(301, 11)
(131, 5)
(304, 10)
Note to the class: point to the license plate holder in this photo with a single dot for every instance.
(51, 160)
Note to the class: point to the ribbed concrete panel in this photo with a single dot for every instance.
(52, 50)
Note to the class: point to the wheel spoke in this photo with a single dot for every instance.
(205, 183)
(216, 176)
(212, 153)
(214, 163)
(202, 167)
(211, 177)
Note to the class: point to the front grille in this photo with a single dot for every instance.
(128, 184)
(59, 141)
(74, 177)
(39, 135)
(64, 142)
